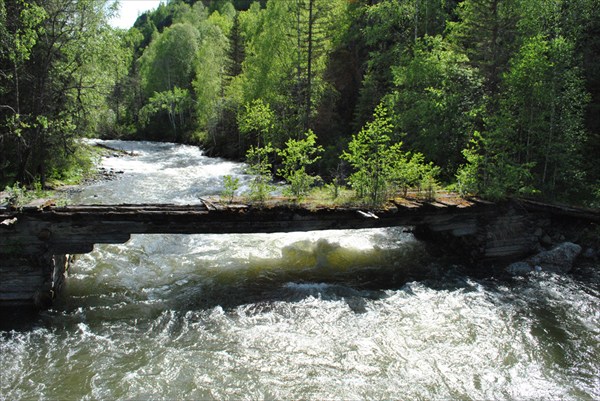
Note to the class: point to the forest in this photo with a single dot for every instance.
(494, 98)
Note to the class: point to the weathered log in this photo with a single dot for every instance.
(587, 214)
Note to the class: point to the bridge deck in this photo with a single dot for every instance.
(75, 229)
(35, 239)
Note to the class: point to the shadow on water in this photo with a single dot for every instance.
(318, 269)
(19, 318)
(305, 269)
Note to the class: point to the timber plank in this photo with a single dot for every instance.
(30, 236)
(75, 228)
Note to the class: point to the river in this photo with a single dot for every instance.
(342, 315)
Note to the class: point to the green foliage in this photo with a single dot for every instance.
(74, 167)
(541, 114)
(387, 28)
(16, 195)
(381, 166)
(169, 59)
(117, 118)
(193, 15)
(489, 173)
(336, 185)
(208, 81)
(467, 175)
(176, 104)
(231, 186)
(223, 21)
(268, 68)
(19, 195)
(532, 137)
(297, 156)
(334, 189)
(595, 202)
(523, 74)
(437, 101)
(412, 171)
(372, 156)
(257, 120)
(20, 45)
(534, 142)
(286, 48)
(54, 83)
(485, 32)
(260, 167)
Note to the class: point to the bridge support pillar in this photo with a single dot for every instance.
(33, 279)
(505, 236)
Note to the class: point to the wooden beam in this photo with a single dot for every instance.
(74, 229)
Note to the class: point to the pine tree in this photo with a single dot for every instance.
(487, 33)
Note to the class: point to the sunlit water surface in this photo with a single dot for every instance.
(363, 314)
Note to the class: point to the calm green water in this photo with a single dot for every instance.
(364, 314)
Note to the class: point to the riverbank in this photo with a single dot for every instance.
(57, 190)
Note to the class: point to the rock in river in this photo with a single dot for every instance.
(558, 260)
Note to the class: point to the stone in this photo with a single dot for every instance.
(589, 253)
(546, 240)
(558, 260)
(519, 268)
(545, 222)
(538, 232)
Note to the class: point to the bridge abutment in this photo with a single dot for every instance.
(32, 279)
(507, 235)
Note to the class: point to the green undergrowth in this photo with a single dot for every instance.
(78, 168)
(18, 195)
(328, 197)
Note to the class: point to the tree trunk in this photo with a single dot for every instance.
(309, 66)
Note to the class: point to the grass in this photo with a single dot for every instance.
(323, 197)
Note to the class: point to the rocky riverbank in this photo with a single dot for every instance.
(561, 248)
(559, 259)
(523, 237)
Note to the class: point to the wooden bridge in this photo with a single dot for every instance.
(36, 240)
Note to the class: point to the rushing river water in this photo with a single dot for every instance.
(344, 315)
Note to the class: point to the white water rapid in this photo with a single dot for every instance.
(334, 315)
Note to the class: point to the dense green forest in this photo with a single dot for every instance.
(494, 97)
